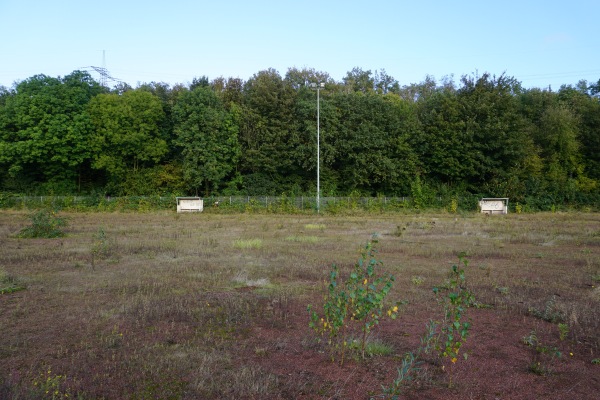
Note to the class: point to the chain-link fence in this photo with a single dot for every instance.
(232, 203)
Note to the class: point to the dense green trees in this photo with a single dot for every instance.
(486, 135)
(207, 135)
(126, 134)
(44, 131)
(369, 137)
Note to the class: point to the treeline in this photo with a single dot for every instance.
(485, 135)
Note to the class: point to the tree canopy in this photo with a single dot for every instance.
(485, 135)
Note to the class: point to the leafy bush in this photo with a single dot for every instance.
(44, 224)
(455, 298)
(9, 283)
(354, 307)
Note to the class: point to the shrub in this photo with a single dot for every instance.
(354, 307)
(455, 298)
(44, 224)
(9, 283)
(247, 243)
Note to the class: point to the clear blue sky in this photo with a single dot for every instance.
(539, 42)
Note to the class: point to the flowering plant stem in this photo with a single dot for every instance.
(352, 308)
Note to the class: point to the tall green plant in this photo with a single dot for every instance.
(455, 298)
(44, 224)
(355, 306)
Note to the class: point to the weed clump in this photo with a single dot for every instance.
(248, 243)
(44, 224)
(543, 356)
(455, 298)
(9, 284)
(447, 336)
(354, 307)
(550, 313)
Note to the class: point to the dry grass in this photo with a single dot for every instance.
(176, 299)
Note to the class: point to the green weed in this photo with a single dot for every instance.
(248, 243)
(453, 207)
(550, 313)
(354, 307)
(51, 386)
(9, 283)
(563, 331)
(400, 229)
(315, 226)
(44, 224)
(375, 348)
(542, 356)
(417, 280)
(302, 239)
(100, 246)
(410, 363)
(455, 298)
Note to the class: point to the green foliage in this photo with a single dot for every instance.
(372, 150)
(354, 307)
(302, 239)
(44, 224)
(51, 386)
(485, 136)
(375, 348)
(550, 312)
(9, 283)
(563, 330)
(44, 128)
(455, 298)
(126, 132)
(410, 363)
(162, 180)
(207, 134)
(496, 129)
(320, 227)
(543, 356)
(417, 280)
(421, 194)
(5, 199)
(248, 243)
(100, 247)
(518, 208)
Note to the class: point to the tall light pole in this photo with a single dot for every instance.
(318, 87)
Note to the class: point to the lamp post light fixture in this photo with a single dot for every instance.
(318, 87)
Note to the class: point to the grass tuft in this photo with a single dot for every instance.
(9, 283)
(248, 243)
(315, 226)
(302, 239)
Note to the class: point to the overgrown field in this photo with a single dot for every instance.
(193, 306)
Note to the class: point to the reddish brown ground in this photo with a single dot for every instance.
(497, 367)
(283, 346)
(147, 326)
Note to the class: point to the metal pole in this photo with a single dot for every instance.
(318, 153)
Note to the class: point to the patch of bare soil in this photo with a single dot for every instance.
(500, 365)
